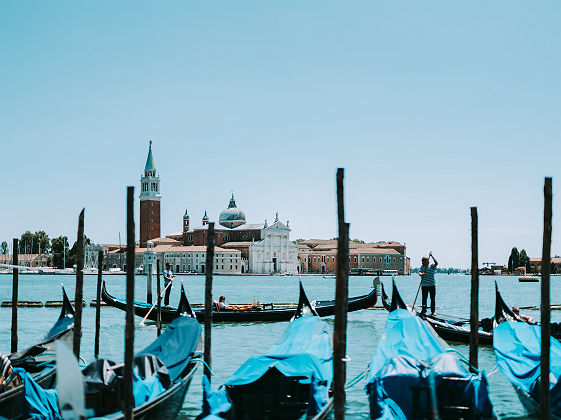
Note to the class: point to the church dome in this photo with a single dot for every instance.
(232, 216)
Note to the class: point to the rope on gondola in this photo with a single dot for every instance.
(464, 359)
(204, 363)
(357, 378)
(493, 372)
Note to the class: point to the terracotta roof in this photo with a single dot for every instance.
(240, 244)
(164, 241)
(554, 260)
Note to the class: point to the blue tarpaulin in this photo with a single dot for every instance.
(518, 349)
(39, 403)
(407, 359)
(303, 351)
(174, 348)
(176, 345)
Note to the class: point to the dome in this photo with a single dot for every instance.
(232, 216)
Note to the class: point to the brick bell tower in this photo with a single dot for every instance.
(149, 202)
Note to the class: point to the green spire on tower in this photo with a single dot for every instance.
(150, 160)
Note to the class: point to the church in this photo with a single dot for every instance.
(251, 248)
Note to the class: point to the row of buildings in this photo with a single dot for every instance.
(240, 247)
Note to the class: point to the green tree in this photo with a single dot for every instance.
(26, 243)
(59, 247)
(358, 241)
(41, 241)
(524, 260)
(30, 242)
(4, 248)
(513, 260)
(71, 258)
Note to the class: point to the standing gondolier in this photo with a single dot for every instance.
(428, 285)
(168, 278)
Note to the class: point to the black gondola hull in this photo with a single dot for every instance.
(323, 308)
(459, 334)
(12, 402)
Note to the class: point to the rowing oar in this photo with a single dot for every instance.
(154, 305)
(419, 288)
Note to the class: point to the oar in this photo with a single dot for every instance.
(418, 289)
(154, 305)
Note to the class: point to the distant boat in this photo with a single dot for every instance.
(529, 279)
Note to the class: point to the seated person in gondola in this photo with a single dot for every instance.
(527, 319)
(8, 378)
(221, 304)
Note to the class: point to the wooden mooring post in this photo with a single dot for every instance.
(98, 302)
(341, 305)
(208, 300)
(128, 396)
(149, 284)
(79, 292)
(15, 286)
(545, 304)
(474, 312)
(159, 307)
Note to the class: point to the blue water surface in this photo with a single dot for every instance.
(234, 343)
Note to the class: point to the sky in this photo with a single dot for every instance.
(431, 107)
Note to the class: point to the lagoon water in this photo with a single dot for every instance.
(234, 343)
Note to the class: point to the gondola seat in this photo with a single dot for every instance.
(103, 384)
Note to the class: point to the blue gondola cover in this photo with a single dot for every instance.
(407, 358)
(304, 351)
(176, 345)
(175, 348)
(39, 403)
(518, 348)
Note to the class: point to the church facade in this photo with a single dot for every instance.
(241, 247)
(265, 249)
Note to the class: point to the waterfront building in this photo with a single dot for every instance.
(275, 253)
(183, 259)
(149, 201)
(264, 249)
(319, 256)
(91, 254)
(555, 267)
(27, 260)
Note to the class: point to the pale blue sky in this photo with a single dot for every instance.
(431, 107)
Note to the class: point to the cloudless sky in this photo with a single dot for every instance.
(431, 107)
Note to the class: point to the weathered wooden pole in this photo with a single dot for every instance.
(129, 317)
(341, 304)
(474, 313)
(79, 293)
(149, 284)
(159, 308)
(208, 299)
(15, 285)
(545, 305)
(98, 302)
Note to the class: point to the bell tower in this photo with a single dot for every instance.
(149, 201)
(185, 227)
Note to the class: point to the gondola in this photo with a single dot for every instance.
(413, 375)
(291, 380)
(38, 361)
(517, 348)
(458, 329)
(266, 313)
(162, 374)
(448, 327)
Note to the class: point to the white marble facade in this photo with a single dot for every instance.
(274, 253)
